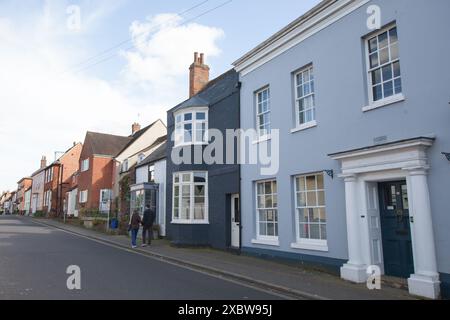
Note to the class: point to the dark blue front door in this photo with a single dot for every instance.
(395, 228)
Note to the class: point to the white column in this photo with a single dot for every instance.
(355, 269)
(425, 281)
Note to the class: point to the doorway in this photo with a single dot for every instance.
(396, 229)
(235, 221)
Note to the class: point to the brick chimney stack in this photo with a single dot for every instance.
(198, 75)
(43, 162)
(135, 127)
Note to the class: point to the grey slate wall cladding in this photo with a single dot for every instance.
(337, 54)
(222, 95)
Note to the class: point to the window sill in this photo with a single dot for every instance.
(190, 222)
(262, 139)
(305, 126)
(384, 102)
(273, 243)
(310, 246)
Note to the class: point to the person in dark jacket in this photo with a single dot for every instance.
(147, 223)
(135, 223)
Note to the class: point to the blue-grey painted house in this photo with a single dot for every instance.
(363, 116)
(203, 200)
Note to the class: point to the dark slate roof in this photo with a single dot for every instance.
(155, 156)
(215, 90)
(136, 136)
(106, 144)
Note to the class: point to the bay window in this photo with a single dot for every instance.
(190, 197)
(191, 127)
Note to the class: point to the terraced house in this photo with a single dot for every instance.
(202, 199)
(362, 115)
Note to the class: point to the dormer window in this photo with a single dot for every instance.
(125, 166)
(141, 158)
(191, 127)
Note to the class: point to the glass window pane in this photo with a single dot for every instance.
(271, 230)
(301, 199)
(304, 231)
(199, 212)
(199, 177)
(201, 116)
(268, 188)
(321, 196)
(393, 35)
(373, 45)
(320, 183)
(396, 67)
(274, 187)
(260, 188)
(323, 232)
(384, 55)
(323, 215)
(268, 201)
(315, 231)
(311, 199)
(376, 76)
(394, 51)
(383, 40)
(311, 183)
(188, 117)
(299, 79)
(186, 177)
(387, 72)
(176, 213)
(263, 215)
(186, 191)
(199, 191)
(303, 215)
(263, 229)
(398, 86)
(388, 89)
(377, 93)
(374, 60)
(302, 184)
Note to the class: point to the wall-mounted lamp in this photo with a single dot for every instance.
(447, 155)
(330, 173)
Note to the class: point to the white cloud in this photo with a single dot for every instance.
(43, 110)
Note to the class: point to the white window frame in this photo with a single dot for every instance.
(311, 82)
(85, 165)
(181, 122)
(192, 185)
(258, 102)
(124, 167)
(265, 239)
(83, 196)
(396, 97)
(151, 173)
(308, 243)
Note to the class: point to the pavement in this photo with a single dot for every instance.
(284, 280)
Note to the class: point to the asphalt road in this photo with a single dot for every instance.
(34, 260)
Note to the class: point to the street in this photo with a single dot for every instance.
(34, 260)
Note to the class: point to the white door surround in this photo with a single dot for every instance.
(361, 170)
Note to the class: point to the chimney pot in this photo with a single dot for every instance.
(198, 75)
(43, 162)
(135, 127)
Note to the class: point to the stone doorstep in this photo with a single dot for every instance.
(394, 282)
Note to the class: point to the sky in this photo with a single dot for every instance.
(67, 67)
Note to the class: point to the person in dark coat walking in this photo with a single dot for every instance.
(147, 223)
(135, 224)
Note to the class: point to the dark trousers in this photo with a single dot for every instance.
(147, 233)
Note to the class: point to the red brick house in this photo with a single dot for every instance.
(23, 190)
(57, 181)
(95, 181)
